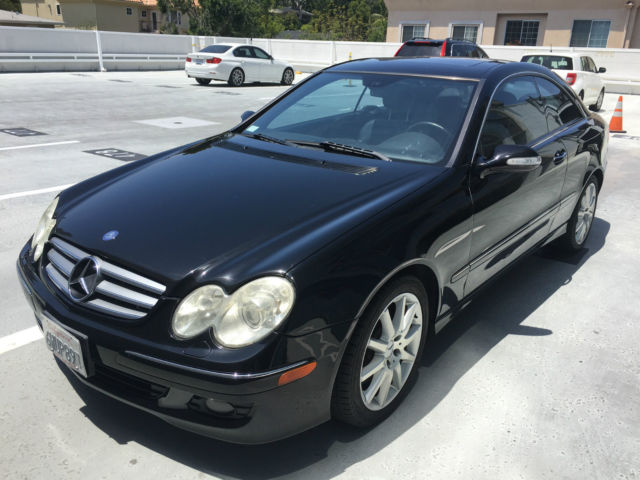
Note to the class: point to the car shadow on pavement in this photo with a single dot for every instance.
(332, 448)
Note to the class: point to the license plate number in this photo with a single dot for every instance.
(198, 62)
(64, 345)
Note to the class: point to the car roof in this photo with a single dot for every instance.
(464, 67)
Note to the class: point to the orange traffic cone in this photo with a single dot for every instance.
(615, 126)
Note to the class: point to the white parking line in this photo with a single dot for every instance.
(66, 142)
(19, 339)
(7, 196)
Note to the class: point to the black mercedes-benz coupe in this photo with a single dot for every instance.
(257, 283)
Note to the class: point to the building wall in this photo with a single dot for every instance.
(41, 8)
(79, 15)
(112, 16)
(556, 18)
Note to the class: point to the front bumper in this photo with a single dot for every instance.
(248, 407)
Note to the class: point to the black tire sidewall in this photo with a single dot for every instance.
(359, 414)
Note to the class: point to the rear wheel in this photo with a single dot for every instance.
(581, 219)
(383, 354)
(287, 77)
(203, 81)
(236, 78)
(598, 105)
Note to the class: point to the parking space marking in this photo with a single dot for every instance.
(21, 132)
(19, 339)
(18, 147)
(116, 153)
(177, 122)
(7, 196)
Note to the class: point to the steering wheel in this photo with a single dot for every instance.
(442, 136)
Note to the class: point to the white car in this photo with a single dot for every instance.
(577, 70)
(236, 64)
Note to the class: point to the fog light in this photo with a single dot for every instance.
(217, 406)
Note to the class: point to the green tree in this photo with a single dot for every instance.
(11, 5)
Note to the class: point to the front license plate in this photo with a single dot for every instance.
(64, 345)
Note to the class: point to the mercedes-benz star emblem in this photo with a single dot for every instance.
(84, 278)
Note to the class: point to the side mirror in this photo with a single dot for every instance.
(509, 158)
(602, 70)
(246, 115)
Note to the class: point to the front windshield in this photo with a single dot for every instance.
(400, 117)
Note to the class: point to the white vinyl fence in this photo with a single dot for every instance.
(38, 49)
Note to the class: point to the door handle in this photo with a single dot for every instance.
(559, 157)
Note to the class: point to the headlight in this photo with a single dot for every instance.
(237, 320)
(47, 222)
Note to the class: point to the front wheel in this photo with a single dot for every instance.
(203, 81)
(598, 105)
(287, 77)
(236, 78)
(383, 354)
(581, 219)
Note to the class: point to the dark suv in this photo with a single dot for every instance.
(449, 47)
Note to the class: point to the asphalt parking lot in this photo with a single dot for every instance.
(538, 378)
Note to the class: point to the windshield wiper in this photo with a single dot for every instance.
(341, 148)
(267, 138)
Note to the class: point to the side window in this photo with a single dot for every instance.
(481, 53)
(259, 53)
(515, 116)
(558, 106)
(460, 50)
(592, 65)
(243, 52)
(584, 64)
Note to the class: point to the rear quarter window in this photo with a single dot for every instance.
(215, 49)
(420, 50)
(556, 62)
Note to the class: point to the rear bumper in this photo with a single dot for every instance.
(247, 408)
(211, 71)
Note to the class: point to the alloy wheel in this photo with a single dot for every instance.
(237, 77)
(287, 77)
(391, 351)
(585, 213)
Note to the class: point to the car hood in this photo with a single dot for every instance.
(229, 208)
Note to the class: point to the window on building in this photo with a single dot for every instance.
(179, 18)
(144, 13)
(590, 33)
(465, 32)
(412, 31)
(129, 11)
(58, 9)
(521, 32)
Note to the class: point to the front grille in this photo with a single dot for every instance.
(119, 292)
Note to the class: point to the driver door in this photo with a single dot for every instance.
(513, 211)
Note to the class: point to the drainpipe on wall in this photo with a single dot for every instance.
(627, 38)
(629, 31)
(99, 45)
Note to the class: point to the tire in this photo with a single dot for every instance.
(598, 105)
(203, 81)
(236, 78)
(581, 219)
(364, 403)
(287, 77)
